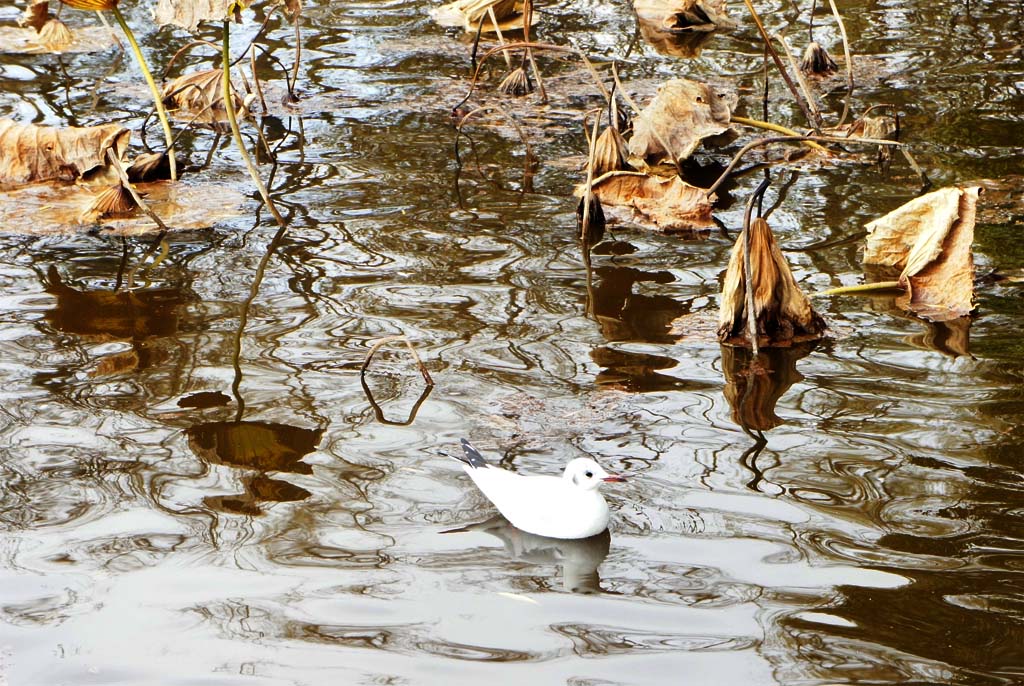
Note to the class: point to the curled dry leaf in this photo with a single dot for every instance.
(30, 153)
(817, 61)
(469, 13)
(609, 152)
(682, 114)
(189, 13)
(35, 15)
(686, 44)
(676, 16)
(42, 35)
(200, 91)
(930, 239)
(150, 166)
(782, 311)
(91, 5)
(56, 35)
(669, 204)
(516, 84)
(112, 201)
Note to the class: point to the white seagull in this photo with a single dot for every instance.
(569, 506)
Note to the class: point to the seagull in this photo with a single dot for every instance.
(569, 506)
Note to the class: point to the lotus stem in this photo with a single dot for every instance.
(790, 139)
(804, 87)
(777, 128)
(781, 67)
(157, 100)
(862, 288)
(849, 60)
(229, 106)
(748, 275)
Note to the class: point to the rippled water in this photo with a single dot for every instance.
(194, 487)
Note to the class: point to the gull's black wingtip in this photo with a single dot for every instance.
(473, 457)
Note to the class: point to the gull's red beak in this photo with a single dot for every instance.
(614, 477)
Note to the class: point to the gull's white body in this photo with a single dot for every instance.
(568, 506)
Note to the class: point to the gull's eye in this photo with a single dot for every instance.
(588, 474)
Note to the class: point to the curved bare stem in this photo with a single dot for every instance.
(157, 100)
(791, 139)
(229, 106)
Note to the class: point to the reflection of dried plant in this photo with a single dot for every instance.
(517, 83)
(816, 60)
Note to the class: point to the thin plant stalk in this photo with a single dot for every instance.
(748, 276)
(790, 139)
(588, 195)
(501, 38)
(157, 100)
(229, 106)
(527, 22)
(847, 57)
(804, 87)
(122, 176)
(862, 289)
(777, 128)
(780, 66)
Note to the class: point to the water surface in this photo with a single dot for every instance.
(194, 487)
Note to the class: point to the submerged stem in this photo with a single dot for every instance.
(229, 106)
(157, 100)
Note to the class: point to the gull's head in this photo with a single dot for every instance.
(586, 474)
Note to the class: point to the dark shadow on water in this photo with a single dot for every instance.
(625, 315)
(259, 446)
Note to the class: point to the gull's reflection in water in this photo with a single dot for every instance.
(577, 558)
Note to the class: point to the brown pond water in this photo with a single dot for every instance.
(153, 535)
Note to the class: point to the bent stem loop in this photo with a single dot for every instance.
(229, 106)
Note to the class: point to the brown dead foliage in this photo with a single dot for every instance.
(930, 239)
(199, 91)
(682, 114)
(35, 15)
(30, 153)
(817, 61)
(684, 44)
(189, 13)
(469, 13)
(60, 209)
(669, 204)
(782, 312)
(55, 34)
(675, 16)
(609, 152)
(112, 201)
